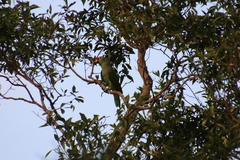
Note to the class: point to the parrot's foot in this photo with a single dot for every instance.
(106, 89)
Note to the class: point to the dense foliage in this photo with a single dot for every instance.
(160, 120)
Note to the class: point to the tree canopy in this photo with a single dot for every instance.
(164, 118)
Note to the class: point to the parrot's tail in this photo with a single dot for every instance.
(117, 100)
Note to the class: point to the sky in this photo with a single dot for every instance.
(22, 138)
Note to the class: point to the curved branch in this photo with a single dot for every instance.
(105, 89)
(128, 119)
(131, 43)
(143, 71)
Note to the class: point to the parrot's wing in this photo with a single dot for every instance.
(114, 79)
(102, 78)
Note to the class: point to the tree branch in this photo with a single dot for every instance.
(129, 117)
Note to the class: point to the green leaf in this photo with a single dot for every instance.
(127, 98)
(79, 99)
(63, 104)
(74, 89)
(56, 137)
(62, 111)
(45, 125)
(48, 153)
(83, 117)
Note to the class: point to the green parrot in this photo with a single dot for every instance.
(110, 77)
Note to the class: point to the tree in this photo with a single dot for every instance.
(160, 120)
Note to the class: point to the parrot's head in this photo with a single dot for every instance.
(100, 60)
(96, 60)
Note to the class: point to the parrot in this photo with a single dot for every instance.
(110, 77)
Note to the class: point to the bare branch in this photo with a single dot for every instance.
(131, 43)
(26, 88)
(107, 90)
(20, 99)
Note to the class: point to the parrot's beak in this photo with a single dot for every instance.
(96, 60)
